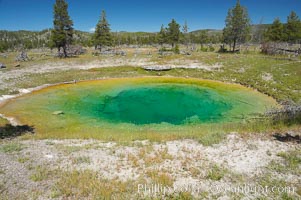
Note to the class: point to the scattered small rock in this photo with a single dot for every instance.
(241, 70)
(22, 57)
(17, 65)
(3, 55)
(288, 137)
(2, 66)
(58, 113)
(157, 68)
(267, 77)
(186, 53)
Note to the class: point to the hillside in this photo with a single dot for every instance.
(37, 39)
(34, 39)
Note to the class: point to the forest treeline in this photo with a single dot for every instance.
(238, 30)
(14, 40)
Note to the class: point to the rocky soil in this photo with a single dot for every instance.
(236, 161)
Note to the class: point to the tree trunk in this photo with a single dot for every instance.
(65, 52)
(234, 45)
(59, 52)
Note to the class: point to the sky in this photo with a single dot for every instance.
(140, 15)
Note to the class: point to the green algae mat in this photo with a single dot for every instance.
(134, 106)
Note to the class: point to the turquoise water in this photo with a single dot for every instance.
(170, 103)
(146, 105)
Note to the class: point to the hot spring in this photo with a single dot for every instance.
(135, 104)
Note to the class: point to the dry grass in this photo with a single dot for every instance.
(81, 160)
(3, 122)
(11, 147)
(88, 185)
(41, 173)
(161, 178)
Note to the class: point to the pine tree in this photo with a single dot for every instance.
(162, 35)
(237, 27)
(62, 33)
(185, 33)
(293, 28)
(173, 32)
(275, 32)
(102, 35)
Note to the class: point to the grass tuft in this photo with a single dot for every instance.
(212, 138)
(41, 173)
(81, 160)
(216, 173)
(87, 185)
(11, 147)
(160, 178)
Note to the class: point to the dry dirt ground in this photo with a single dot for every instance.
(207, 172)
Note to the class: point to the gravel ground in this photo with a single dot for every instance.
(186, 161)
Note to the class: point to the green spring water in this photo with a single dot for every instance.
(169, 103)
(137, 104)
